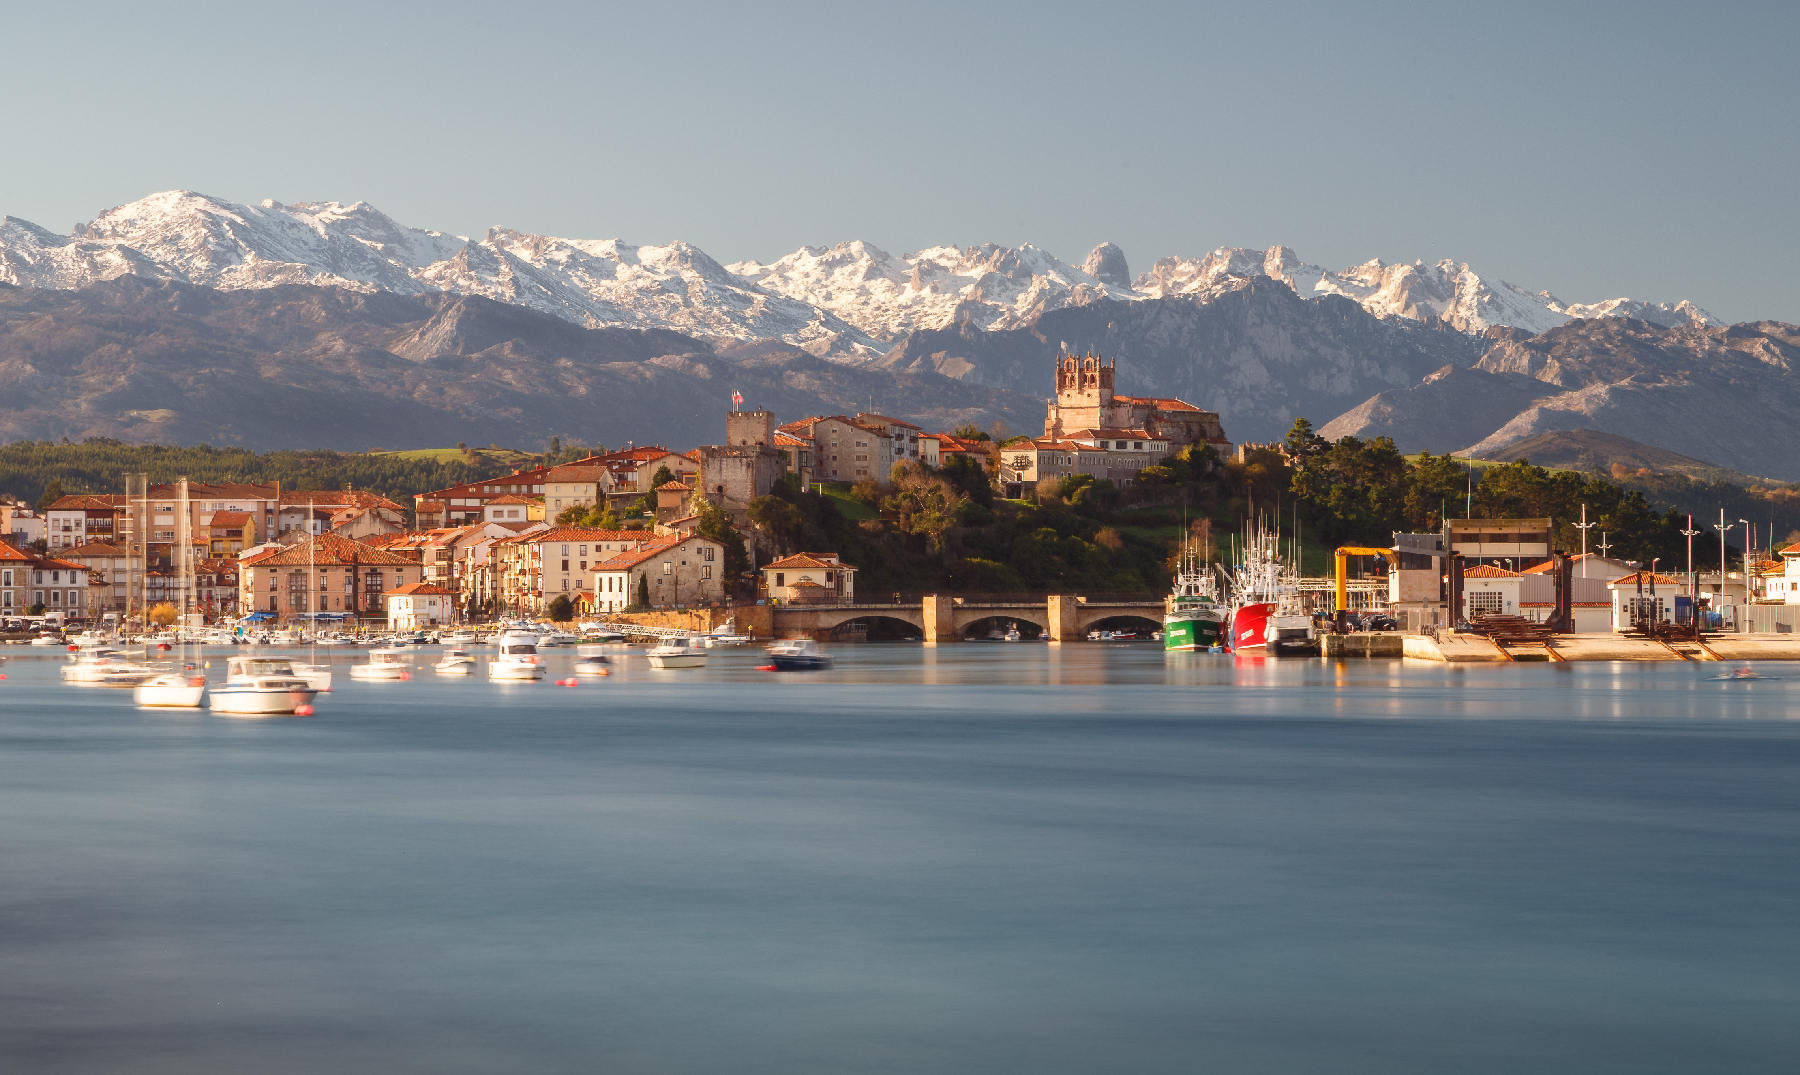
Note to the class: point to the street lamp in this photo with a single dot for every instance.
(1584, 526)
(1744, 628)
(1689, 534)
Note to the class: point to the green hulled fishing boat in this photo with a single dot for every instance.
(1194, 618)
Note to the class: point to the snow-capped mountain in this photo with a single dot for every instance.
(991, 287)
(182, 235)
(1448, 291)
(851, 302)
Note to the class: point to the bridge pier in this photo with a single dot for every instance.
(940, 619)
(1062, 610)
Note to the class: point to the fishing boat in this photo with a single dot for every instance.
(684, 652)
(518, 657)
(171, 690)
(261, 686)
(798, 655)
(1194, 617)
(388, 662)
(456, 662)
(1268, 615)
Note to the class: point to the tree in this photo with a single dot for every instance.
(923, 504)
(866, 491)
(970, 478)
(52, 493)
(776, 517)
(1303, 444)
(163, 614)
(562, 610)
(642, 597)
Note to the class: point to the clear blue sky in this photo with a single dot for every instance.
(1596, 151)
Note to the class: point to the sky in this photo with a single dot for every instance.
(1593, 150)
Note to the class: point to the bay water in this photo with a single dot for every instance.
(970, 858)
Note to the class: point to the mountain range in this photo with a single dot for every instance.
(177, 316)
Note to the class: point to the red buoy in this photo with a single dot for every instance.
(303, 711)
(765, 668)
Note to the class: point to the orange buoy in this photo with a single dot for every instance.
(765, 668)
(405, 675)
(73, 648)
(603, 672)
(303, 711)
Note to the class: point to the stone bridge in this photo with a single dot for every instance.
(944, 618)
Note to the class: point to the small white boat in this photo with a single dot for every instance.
(284, 636)
(678, 653)
(726, 634)
(593, 664)
(45, 640)
(104, 666)
(171, 690)
(460, 639)
(798, 655)
(457, 662)
(319, 675)
(517, 659)
(557, 638)
(389, 662)
(261, 686)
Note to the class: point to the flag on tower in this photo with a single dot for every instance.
(737, 399)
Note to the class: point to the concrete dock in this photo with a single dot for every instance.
(1468, 648)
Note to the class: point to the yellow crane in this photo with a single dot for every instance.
(1342, 574)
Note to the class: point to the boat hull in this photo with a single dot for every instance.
(183, 695)
(258, 701)
(509, 670)
(1193, 630)
(377, 671)
(677, 660)
(1250, 626)
(460, 668)
(799, 663)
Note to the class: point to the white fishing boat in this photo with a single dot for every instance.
(261, 686)
(171, 690)
(798, 655)
(685, 652)
(456, 662)
(389, 662)
(518, 657)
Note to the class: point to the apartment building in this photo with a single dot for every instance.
(28, 580)
(326, 573)
(845, 450)
(529, 570)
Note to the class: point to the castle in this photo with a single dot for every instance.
(1085, 403)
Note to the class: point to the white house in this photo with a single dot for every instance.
(810, 578)
(419, 604)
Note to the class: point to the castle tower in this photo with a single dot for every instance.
(750, 427)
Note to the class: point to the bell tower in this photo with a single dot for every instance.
(1084, 394)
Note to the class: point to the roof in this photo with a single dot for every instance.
(1488, 571)
(1632, 579)
(325, 498)
(220, 491)
(574, 472)
(329, 549)
(803, 560)
(1550, 565)
(807, 582)
(783, 436)
(951, 442)
(87, 502)
(673, 486)
(413, 588)
(635, 557)
(580, 533)
(96, 548)
(1161, 403)
(230, 518)
(889, 421)
(1117, 434)
(515, 498)
(11, 553)
(1048, 444)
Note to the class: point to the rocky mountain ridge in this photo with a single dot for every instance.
(848, 302)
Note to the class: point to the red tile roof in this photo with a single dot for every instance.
(1632, 579)
(429, 588)
(328, 550)
(1488, 571)
(803, 560)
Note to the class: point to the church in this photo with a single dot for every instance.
(1090, 430)
(1085, 403)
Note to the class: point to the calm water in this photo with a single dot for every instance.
(976, 858)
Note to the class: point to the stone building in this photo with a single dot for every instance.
(844, 450)
(1085, 401)
(810, 578)
(685, 569)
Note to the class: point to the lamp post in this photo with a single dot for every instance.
(1603, 546)
(1584, 526)
(1689, 534)
(1744, 628)
(1723, 528)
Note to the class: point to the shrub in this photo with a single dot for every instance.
(562, 610)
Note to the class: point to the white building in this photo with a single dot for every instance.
(810, 578)
(420, 604)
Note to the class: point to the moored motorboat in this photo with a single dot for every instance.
(171, 690)
(388, 662)
(798, 655)
(592, 665)
(258, 686)
(683, 652)
(456, 662)
(518, 657)
(103, 666)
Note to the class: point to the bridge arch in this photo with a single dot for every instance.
(978, 622)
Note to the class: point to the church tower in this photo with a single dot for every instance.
(1084, 395)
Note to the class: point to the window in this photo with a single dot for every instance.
(707, 553)
(1481, 604)
(5, 578)
(565, 566)
(706, 571)
(565, 552)
(668, 568)
(780, 578)
(565, 585)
